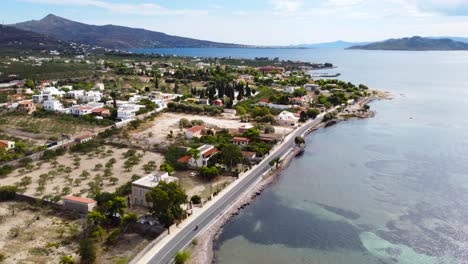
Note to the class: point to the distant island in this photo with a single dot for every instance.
(414, 44)
(113, 37)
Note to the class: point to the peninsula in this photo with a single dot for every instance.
(414, 44)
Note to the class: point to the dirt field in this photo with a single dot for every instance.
(156, 133)
(73, 178)
(34, 235)
(38, 129)
(193, 185)
(39, 235)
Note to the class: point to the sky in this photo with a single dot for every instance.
(260, 22)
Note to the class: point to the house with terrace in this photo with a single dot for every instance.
(205, 154)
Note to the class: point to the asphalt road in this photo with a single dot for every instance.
(186, 235)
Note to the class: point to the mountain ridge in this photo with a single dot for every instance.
(112, 36)
(415, 43)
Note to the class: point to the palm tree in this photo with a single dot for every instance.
(195, 153)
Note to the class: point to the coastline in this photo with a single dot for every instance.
(203, 250)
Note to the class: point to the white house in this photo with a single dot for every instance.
(195, 131)
(110, 103)
(160, 103)
(80, 110)
(206, 152)
(286, 118)
(7, 144)
(128, 111)
(91, 96)
(76, 93)
(290, 89)
(52, 105)
(141, 186)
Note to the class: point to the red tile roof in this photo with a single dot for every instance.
(184, 159)
(79, 199)
(248, 154)
(196, 129)
(210, 152)
(100, 110)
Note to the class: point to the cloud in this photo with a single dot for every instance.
(446, 7)
(286, 6)
(136, 9)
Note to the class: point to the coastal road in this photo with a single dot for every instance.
(166, 254)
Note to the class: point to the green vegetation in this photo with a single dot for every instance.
(8, 193)
(182, 257)
(167, 199)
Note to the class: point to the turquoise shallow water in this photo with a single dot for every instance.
(391, 189)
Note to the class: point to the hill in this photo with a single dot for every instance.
(16, 39)
(114, 37)
(414, 44)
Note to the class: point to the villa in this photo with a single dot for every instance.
(206, 152)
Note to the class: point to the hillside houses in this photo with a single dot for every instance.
(52, 105)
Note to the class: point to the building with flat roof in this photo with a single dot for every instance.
(141, 186)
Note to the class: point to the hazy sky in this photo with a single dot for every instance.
(261, 22)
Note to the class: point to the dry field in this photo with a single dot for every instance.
(193, 185)
(40, 235)
(156, 132)
(65, 176)
(35, 235)
(41, 129)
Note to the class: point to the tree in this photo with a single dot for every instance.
(116, 207)
(313, 113)
(184, 122)
(182, 257)
(166, 199)
(231, 155)
(149, 167)
(252, 134)
(195, 153)
(303, 116)
(95, 217)
(209, 173)
(85, 174)
(87, 251)
(167, 168)
(299, 141)
(275, 161)
(240, 110)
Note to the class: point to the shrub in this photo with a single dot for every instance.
(182, 257)
(66, 260)
(7, 192)
(196, 199)
(2, 257)
(5, 170)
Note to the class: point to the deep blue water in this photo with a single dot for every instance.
(391, 189)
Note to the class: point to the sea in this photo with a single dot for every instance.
(389, 189)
